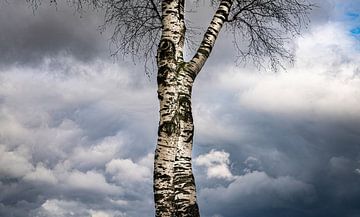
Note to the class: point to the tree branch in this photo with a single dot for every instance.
(265, 27)
(155, 9)
(212, 33)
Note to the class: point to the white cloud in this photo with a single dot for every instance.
(41, 175)
(67, 208)
(12, 130)
(47, 142)
(299, 94)
(216, 163)
(219, 171)
(13, 164)
(97, 155)
(90, 181)
(252, 164)
(211, 126)
(323, 83)
(147, 161)
(61, 208)
(119, 202)
(213, 157)
(100, 214)
(126, 171)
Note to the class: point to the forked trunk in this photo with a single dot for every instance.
(174, 184)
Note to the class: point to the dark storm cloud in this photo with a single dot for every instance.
(313, 164)
(28, 36)
(73, 131)
(292, 125)
(310, 162)
(306, 169)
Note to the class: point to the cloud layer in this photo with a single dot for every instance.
(74, 136)
(78, 131)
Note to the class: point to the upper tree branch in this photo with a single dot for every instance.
(265, 27)
(204, 50)
(136, 27)
(155, 9)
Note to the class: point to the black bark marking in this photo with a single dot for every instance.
(166, 49)
(191, 137)
(160, 97)
(185, 108)
(162, 74)
(162, 176)
(168, 127)
(191, 211)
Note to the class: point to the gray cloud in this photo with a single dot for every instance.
(302, 124)
(75, 127)
(48, 144)
(28, 36)
(255, 192)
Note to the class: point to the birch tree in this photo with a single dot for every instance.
(157, 29)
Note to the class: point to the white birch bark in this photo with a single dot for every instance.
(174, 184)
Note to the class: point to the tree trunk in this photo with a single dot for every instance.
(174, 184)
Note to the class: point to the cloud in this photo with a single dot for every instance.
(357, 171)
(257, 191)
(100, 214)
(298, 127)
(252, 164)
(13, 164)
(90, 181)
(79, 130)
(74, 119)
(97, 155)
(253, 191)
(125, 170)
(326, 88)
(28, 36)
(59, 208)
(65, 208)
(211, 127)
(41, 175)
(216, 163)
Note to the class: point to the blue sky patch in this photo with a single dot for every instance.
(355, 31)
(352, 15)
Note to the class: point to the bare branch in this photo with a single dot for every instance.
(136, 27)
(212, 33)
(261, 28)
(264, 27)
(77, 4)
(155, 8)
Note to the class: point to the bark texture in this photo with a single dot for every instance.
(174, 184)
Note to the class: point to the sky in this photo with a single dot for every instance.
(78, 127)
